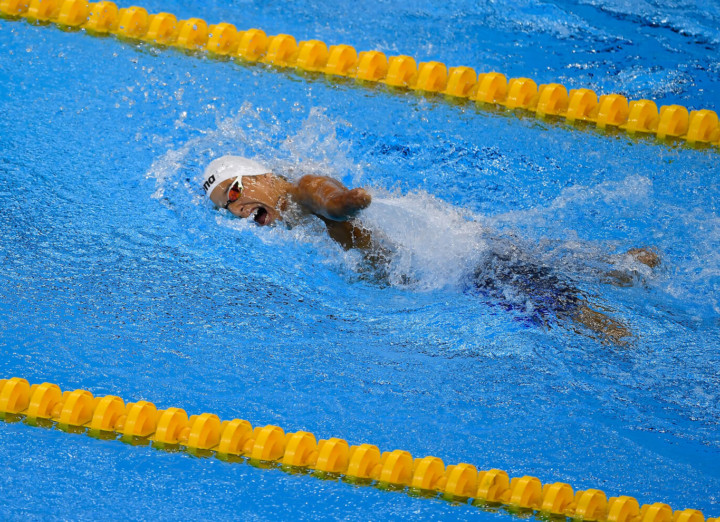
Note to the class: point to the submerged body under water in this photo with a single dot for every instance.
(541, 293)
(544, 295)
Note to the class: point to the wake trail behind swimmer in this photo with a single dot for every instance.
(248, 189)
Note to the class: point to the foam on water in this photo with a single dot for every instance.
(435, 244)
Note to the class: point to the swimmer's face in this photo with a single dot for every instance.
(259, 200)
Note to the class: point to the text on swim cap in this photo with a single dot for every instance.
(208, 182)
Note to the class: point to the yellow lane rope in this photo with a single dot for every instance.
(282, 50)
(79, 411)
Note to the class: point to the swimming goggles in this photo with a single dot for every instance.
(234, 191)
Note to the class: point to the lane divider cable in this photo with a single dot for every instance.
(140, 422)
(552, 100)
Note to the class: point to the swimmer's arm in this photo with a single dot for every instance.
(598, 322)
(349, 234)
(329, 198)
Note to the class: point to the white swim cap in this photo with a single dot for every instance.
(230, 167)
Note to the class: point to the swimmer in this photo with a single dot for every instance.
(249, 190)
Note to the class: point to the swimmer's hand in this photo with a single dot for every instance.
(348, 204)
(329, 198)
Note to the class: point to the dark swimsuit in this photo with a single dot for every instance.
(533, 290)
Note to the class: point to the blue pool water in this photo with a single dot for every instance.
(118, 277)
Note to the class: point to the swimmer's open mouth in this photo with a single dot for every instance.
(261, 217)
